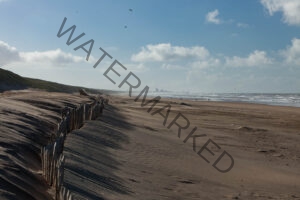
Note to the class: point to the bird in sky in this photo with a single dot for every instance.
(130, 10)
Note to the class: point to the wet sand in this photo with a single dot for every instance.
(127, 153)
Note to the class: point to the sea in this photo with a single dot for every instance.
(259, 98)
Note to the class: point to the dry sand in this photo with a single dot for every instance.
(129, 154)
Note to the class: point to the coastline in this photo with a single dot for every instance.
(276, 99)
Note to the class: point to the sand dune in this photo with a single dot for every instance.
(28, 120)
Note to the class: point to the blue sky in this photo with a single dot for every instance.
(200, 46)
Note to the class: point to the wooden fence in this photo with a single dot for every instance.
(52, 155)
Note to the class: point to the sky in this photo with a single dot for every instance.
(202, 46)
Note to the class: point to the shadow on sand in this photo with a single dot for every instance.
(91, 156)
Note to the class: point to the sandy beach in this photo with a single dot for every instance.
(150, 100)
(127, 153)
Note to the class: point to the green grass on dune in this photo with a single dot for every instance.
(12, 81)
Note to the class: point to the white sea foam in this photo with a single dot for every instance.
(261, 98)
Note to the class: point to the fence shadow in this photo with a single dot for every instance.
(91, 163)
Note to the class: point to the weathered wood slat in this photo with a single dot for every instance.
(52, 155)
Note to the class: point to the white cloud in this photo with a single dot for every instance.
(53, 56)
(289, 8)
(202, 64)
(167, 52)
(8, 54)
(256, 58)
(171, 67)
(212, 17)
(201, 58)
(134, 67)
(292, 53)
